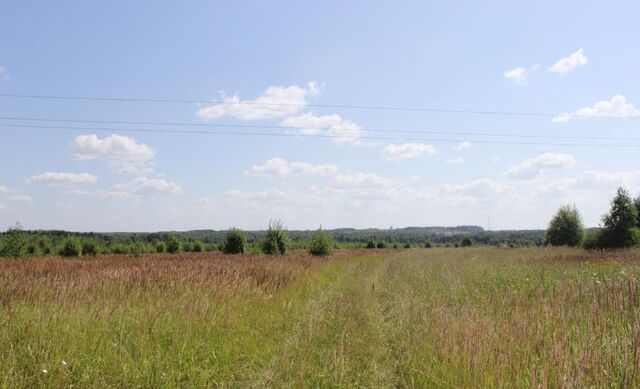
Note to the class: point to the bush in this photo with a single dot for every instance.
(173, 244)
(592, 240)
(277, 240)
(136, 249)
(235, 242)
(565, 228)
(119, 248)
(197, 247)
(636, 202)
(371, 244)
(466, 242)
(380, 245)
(161, 247)
(619, 225)
(321, 244)
(427, 245)
(396, 246)
(89, 248)
(71, 247)
(15, 242)
(407, 245)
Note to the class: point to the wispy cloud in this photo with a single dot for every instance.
(569, 63)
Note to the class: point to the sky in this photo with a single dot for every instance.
(302, 73)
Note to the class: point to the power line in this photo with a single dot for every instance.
(344, 136)
(235, 125)
(289, 104)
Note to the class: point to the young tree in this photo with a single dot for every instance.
(235, 242)
(466, 242)
(637, 204)
(619, 226)
(71, 247)
(277, 240)
(321, 244)
(565, 228)
(15, 242)
(173, 244)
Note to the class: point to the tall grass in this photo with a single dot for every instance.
(472, 317)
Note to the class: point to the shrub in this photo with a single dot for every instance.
(619, 225)
(427, 245)
(407, 245)
(396, 246)
(15, 242)
(197, 247)
(71, 247)
(565, 228)
(90, 248)
(277, 240)
(371, 244)
(119, 248)
(380, 245)
(161, 247)
(136, 249)
(321, 244)
(636, 202)
(235, 242)
(173, 244)
(466, 242)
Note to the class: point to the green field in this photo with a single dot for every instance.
(442, 317)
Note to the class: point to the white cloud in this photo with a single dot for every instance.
(395, 152)
(283, 168)
(517, 75)
(124, 153)
(463, 146)
(568, 64)
(146, 185)
(5, 189)
(56, 178)
(359, 180)
(455, 161)
(531, 168)
(618, 107)
(276, 101)
(342, 131)
(480, 188)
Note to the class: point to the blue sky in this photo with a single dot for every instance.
(574, 59)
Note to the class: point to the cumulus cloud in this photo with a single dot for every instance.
(276, 101)
(617, 107)
(395, 152)
(146, 185)
(568, 64)
(368, 180)
(57, 178)
(124, 153)
(341, 131)
(463, 146)
(531, 168)
(283, 168)
(517, 75)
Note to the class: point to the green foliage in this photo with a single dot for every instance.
(277, 240)
(71, 247)
(380, 245)
(427, 245)
(396, 246)
(173, 244)
(407, 245)
(321, 244)
(371, 244)
(620, 223)
(235, 242)
(15, 242)
(636, 202)
(90, 248)
(466, 242)
(161, 247)
(565, 228)
(197, 247)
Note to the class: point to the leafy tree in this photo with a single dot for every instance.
(619, 225)
(15, 242)
(466, 242)
(277, 240)
(371, 244)
(321, 244)
(173, 244)
(427, 245)
(380, 245)
(71, 247)
(161, 247)
(197, 247)
(235, 242)
(565, 228)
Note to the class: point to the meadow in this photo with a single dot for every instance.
(440, 317)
